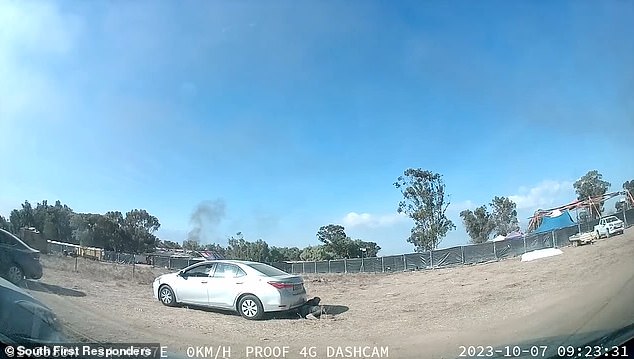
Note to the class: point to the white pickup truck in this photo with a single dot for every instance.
(583, 238)
(608, 226)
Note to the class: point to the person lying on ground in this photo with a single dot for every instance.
(311, 309)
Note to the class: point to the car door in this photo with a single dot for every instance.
(225, 285)
(191, 285)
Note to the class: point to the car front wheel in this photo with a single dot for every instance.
(166, 296)
(250, 307)
(15, 274)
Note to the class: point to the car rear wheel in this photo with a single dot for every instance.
(166, 296)
(15, 274)
(250, 307)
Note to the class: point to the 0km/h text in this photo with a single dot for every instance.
(257, 351)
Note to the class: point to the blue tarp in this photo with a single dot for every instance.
(550, 224)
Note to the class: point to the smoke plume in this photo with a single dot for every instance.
(206, 217)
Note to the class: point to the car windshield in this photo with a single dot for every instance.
(340, 178)
(267, 270)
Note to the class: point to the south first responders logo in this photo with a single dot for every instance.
(89, 351)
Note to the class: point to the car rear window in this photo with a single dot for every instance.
(224, 270)
(8, 239)
(12, 240)
(267, 269)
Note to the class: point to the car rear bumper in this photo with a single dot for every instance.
(285, 303)
(616, 230)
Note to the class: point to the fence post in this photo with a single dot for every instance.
(169, 262)
(188, 262)
(345, 266)
(404, 262)
(462, 253)
(315, 267)
(303, 267)
(329, 266)
(76, 263)
(118, 257)
(431, 258)
(133, 267)
(553, 238)
(495, 249)
(383, 264)
(361, 269)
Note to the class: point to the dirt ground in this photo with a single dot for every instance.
(425, 314)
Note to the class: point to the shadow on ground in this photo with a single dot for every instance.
(327, 310)
(210, 310)
(53, 289)
(335, 309)
(293, 314)
(290, 314)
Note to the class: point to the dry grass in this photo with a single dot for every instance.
(102, 271)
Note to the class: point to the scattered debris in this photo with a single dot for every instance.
(541, 253)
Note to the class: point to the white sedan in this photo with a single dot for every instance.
(249, 288)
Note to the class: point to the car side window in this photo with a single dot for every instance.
(200, 271)
(226, 270)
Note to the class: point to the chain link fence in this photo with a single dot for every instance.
(441, 258)
(173, 262)
(454, 256)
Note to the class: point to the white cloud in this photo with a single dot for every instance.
(546, 194)
(37, 27)
(354, 219)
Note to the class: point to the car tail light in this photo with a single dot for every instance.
(279, 285)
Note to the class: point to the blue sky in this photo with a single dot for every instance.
(295, 116)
